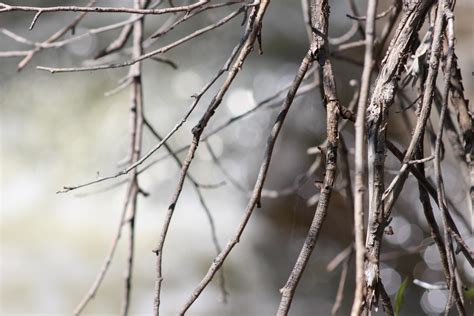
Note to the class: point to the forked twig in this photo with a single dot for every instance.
(255, 198)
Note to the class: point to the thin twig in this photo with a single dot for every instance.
(125, 33)
(136, 132)
(197, 97)
(266, 103)
(431, 190)
(39, 10)
(161, 50)
(367, 18)
(108, 260)
(340, 257)
(342, 282)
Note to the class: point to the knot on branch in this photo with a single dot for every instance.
(197, 130)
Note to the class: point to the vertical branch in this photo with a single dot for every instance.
(382, 99)
(360, 158)
(461, 106)
(130, 205)
(464, 131)
(346, 173)
(319, 49)
(443, 11)
(136, 122)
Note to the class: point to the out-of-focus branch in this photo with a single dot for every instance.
(431, 191)
(342, 281)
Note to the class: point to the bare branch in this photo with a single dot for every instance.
(382, 99)
(152, 53)
(136, 132)
(39, 10)
(361, 159)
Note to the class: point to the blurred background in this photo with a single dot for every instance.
(60, 129)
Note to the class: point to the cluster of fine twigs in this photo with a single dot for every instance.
(396, 64)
